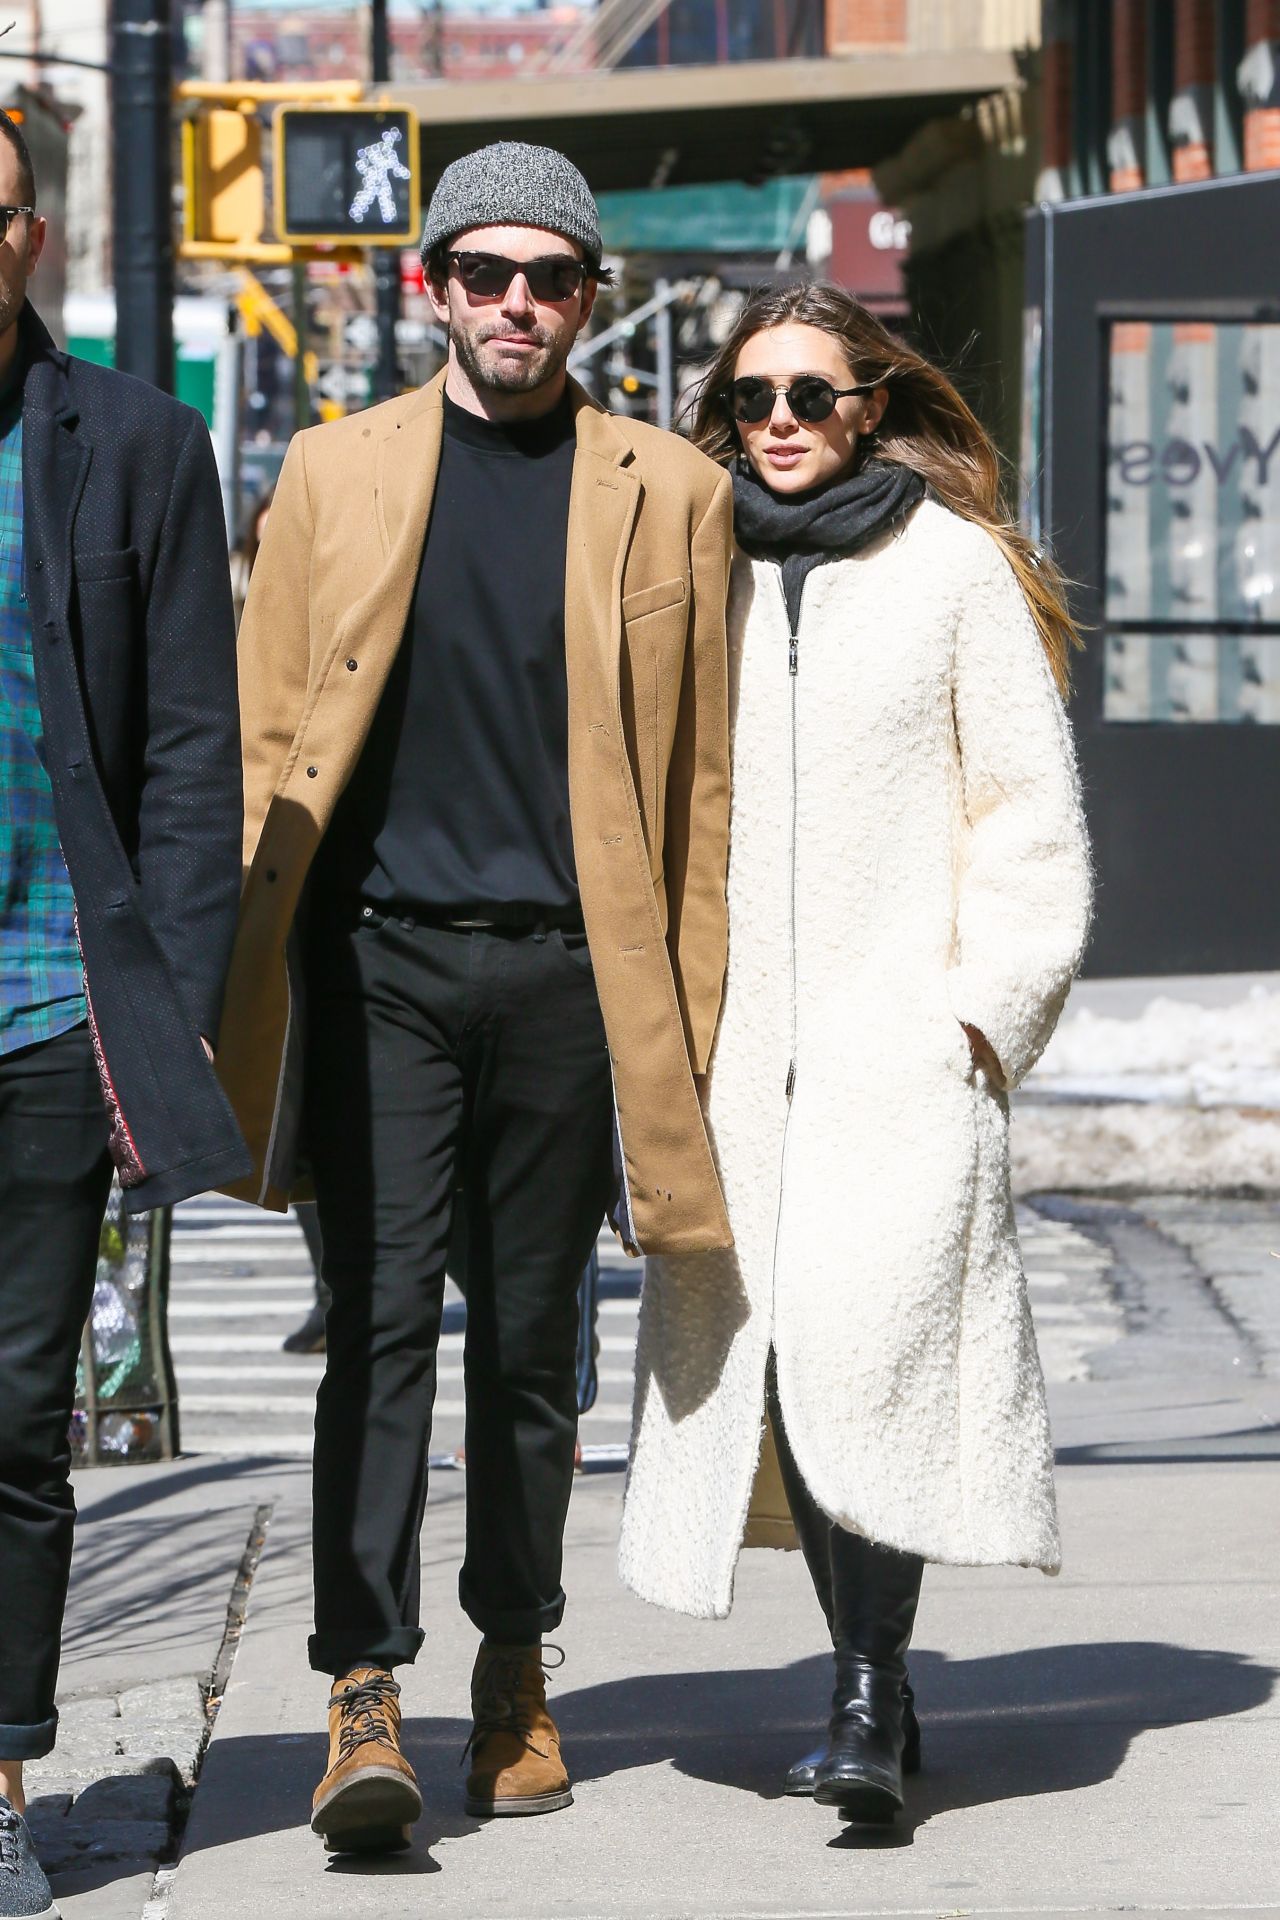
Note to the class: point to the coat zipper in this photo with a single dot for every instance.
(793, 673)
(793, 676)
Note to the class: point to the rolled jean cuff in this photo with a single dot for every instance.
(339, 1653)
(512, 1626)
(29, 1743)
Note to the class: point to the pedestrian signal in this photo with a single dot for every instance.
(347, 175)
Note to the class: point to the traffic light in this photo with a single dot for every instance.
(346, 175)
(222, 173)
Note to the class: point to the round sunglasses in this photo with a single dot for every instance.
(555, 277)
(810, 398)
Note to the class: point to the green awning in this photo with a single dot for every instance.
(728, 218)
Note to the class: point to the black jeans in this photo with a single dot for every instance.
(55, 1175)
(440, 1060)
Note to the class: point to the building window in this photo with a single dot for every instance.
(1192, 600)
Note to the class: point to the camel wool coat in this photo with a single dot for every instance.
(647, 563)
(907, 852)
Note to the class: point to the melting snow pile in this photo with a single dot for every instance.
(1175, 1053)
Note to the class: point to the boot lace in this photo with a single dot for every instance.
(10, 1826)
(500, 1707)
(365, 1715)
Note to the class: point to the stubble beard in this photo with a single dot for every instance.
(490, 370)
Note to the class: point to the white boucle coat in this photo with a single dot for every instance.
(941, 874)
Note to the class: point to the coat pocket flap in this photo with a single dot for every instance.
(667, 593)
(120, 564)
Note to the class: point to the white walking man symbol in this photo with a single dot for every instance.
(378, 166)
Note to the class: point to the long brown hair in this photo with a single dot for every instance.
(926, 426)
(250, 538)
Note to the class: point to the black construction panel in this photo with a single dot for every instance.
(1157, 315)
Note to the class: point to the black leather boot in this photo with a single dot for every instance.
(801, 1774)
(814, 1531)
(875, 1592)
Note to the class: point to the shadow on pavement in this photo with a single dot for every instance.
(175, 1482)
(1217, 1449)
(261, 1785)
(1009, 1726)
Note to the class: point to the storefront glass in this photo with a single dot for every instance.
(1192, 597)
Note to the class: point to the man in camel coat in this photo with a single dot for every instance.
(485, 721)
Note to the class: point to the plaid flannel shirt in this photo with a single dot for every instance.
(41, 975)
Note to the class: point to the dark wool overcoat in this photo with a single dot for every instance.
(127, 581)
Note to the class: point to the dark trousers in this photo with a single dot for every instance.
(55, 1175)
(440, 1060)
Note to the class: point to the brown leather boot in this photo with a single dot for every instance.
(369, 1797)
(514, 1747)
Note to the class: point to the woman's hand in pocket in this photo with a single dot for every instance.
(984, 1054)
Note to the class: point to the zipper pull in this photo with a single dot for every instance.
(793, 653)
(791, 1079)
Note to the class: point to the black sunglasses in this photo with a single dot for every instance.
(809, 396)
(7, 215)
(555, 277)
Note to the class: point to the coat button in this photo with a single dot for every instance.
(271, 874)
(351, 666)
(312, 772)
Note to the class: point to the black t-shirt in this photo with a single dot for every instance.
(461, 795)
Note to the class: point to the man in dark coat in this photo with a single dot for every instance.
(120, 830)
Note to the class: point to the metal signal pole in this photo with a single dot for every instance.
(142, 189)
(386, 261)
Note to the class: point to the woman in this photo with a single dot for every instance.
(908, 898)
(244, 556)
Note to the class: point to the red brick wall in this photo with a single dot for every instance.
(1261, 21)
(866, 23)
(1262, 124)
(1128, 60)
(1194, 55)
(1128, 84)
(1194, 62)
(1055, 110)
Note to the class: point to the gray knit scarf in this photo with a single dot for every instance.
(801, 531)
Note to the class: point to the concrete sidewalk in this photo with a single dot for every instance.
(158, 1550)
(1104, 1740)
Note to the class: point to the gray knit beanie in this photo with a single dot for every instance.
(511, 184)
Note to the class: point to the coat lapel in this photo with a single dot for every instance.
(55, 465)
(379, 574)
(407, 463)
(603, 503)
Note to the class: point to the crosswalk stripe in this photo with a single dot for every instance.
(187, 1345)
(307, 1369)
(288, 1446)
(241, 1279)
(264, 1404)
(184, 1309)
(247, 1254)
(258, 1307)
